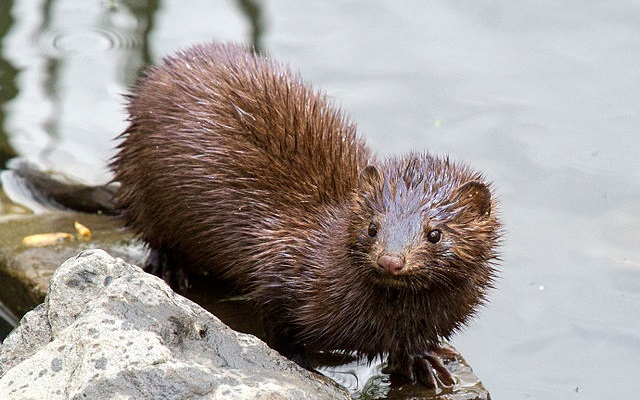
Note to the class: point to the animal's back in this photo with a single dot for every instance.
(223, 147)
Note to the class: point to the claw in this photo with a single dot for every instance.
(427, 368)
(434, 363)
(425, 372)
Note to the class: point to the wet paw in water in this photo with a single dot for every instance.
(426, 368)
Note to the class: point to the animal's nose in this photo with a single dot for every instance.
(391, 262)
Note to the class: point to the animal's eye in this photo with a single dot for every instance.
(434, 236)
(372, 231)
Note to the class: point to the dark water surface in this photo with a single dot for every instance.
(542, 96)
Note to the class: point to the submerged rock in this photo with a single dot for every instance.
(108, 330)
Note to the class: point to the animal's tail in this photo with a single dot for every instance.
(25, 183)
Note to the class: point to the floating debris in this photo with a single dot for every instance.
(53, 238)
(47, 239)
(84, 233)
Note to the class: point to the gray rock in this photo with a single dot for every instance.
(108, 330)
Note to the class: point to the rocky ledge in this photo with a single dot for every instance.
(108, 330)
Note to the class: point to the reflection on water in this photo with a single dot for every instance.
(252, 9)
(8, 72)
(76, 61)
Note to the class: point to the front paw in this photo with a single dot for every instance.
(426, 368)
(163, 264)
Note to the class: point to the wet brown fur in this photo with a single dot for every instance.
(236, 167)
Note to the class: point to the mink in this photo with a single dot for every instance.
(232, 165)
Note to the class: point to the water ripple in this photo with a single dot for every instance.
(84, 40)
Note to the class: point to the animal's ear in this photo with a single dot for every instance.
(369, 176)
(475, 197)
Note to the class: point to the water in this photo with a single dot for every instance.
(542, 96)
